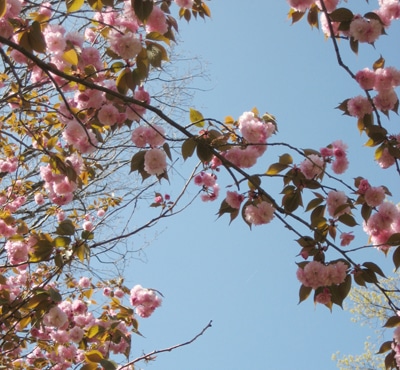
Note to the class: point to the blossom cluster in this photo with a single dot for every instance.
(255, 131)
(144, 300)
(314, 165)
(316, 274)
(69, 323)
(383, 81)
(252, 134)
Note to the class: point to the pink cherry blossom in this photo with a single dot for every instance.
(386, 159)
(346, 239)
(155, 161)
(101, 212)
(374, 196)
(17, 251)
(259, 214)
(187, 4)
(365, 30)
(384, 79)
(363, 186)
(313, 275)
(55, 317)
(253, 129)
(301, 5)
(108, 115)
(157, 21)
(234, 199)
(145, 300)
(366, 79)
(359, 106)
(312, 166)
(210, 194)
(84, 282)
(337, 273)
(334, 200)
(324, 297)
(385, 100)
(330, 5)
(127, 45)
(88, 226)
(39, 199)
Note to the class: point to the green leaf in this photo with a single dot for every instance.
(386, 346)
(292, 201)
(142, 8)
(366, 212)
(392, 322)
(394, 239)
(374, 267)
(73, 5)
(369, 276)
(167, 151)
(314, 203)
(317, 215)
(89, 366)
(188, 148)
(254, 182)
(312, 16)
(155, 54)
(306, 242)
(341, 15)
(54, 295)
(41, 251)
(354, 45)
(347, 220)
(204, 152)
(295, 15)
(390, 362)
(196, 117)
(396, 258)
(358, 278)
(304, 293)
(108, 365)
(36, 38)
(65, 227)
(137, 161)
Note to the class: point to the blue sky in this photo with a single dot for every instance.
(245, 280)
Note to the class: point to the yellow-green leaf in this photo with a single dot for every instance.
(94, 356)
(71, 57)
(380, 63)
(196, 117)
(73, 5)
(275, 168)
(3, 7)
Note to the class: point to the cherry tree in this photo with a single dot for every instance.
(83, 139)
